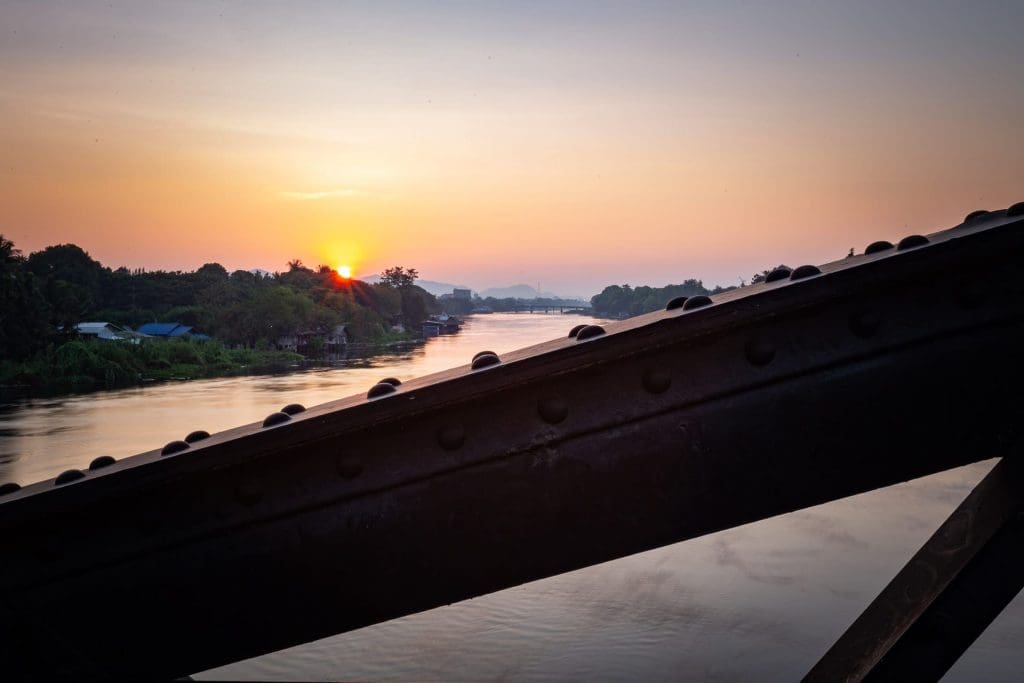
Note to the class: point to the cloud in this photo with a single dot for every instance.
(340, 192)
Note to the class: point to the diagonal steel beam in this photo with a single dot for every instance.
(815, 385)
(945, 597)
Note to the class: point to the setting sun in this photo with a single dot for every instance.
(344, 271)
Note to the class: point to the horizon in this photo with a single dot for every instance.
(574, 145)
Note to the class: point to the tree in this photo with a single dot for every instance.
(23, 311)
(399, 277)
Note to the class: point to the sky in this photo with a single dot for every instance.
(568, 144)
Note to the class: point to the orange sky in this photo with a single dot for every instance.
(571, 144)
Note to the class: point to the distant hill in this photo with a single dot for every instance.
(517, 292)
(435, 288)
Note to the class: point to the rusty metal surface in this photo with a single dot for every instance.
(867, 372)
(948, 593)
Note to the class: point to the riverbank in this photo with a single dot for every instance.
(82, 366)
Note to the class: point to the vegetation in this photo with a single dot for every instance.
(626, 301)
(44, 296)
(88, 364)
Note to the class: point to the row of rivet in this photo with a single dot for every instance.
(554, 410)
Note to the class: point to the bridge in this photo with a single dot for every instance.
(820, 383)
(550, 306)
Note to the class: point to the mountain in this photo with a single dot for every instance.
(517, 292)
(435, 288)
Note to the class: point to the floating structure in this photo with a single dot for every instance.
(819, 383)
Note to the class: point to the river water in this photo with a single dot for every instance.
(759, 602)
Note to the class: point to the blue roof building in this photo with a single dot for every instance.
(171, 330)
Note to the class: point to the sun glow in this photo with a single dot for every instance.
(344, 271)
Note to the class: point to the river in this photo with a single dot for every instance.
(759, 602)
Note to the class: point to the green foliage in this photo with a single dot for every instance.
(399, 277)
(625, 301)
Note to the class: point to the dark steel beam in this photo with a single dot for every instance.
(946, 596)
(819, 385)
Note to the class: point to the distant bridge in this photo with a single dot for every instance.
(818, 384)
(526, 306)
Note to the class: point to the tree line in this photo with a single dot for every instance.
(43, 296)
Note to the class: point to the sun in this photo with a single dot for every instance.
(344, 271)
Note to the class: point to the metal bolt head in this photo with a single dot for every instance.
(380, 389)
(676, 303)
(68, 476)
(349, 467)
(9, 487)
(293, 409)
(485, 360)
(759, 352)
(880, 245)
(699, 301)
(780, 273)
(865, 323)
(589, 332)
(912, 241)
(451, 437)
(1016, 210)
(657, 380)
(804, 271)
(576, 330)
(175, 447)
(552, 409)
(248, 492)
(101, 462)
(975, 215)
(276, 419)
(392, 381)
(197, 435)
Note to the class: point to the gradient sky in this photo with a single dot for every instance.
(574, 144)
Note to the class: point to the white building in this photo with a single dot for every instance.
(108, 331)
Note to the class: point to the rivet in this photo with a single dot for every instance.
(380, 389)
(759, 352)
(392, 381)
(698, 301)
(576, 330)
(552, 409)
(912, 241)
(276, 419)
(780, 273)
(485, 360)
(174, 447)
(589, 332)
(293, 409)
(248, 493)
(657, 381)
(197, 435)
(676, 303)
(1016, 210)
(974, 215)
(969, 295)
(804, 271)
(483, 353)
(349, 467)
(880, 245)
(68, 476)
(101, 462)
(865, 323)
(9, 487)
(451, 437)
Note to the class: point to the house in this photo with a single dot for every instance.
(334, 342)
(110, 331)
(171, 331)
